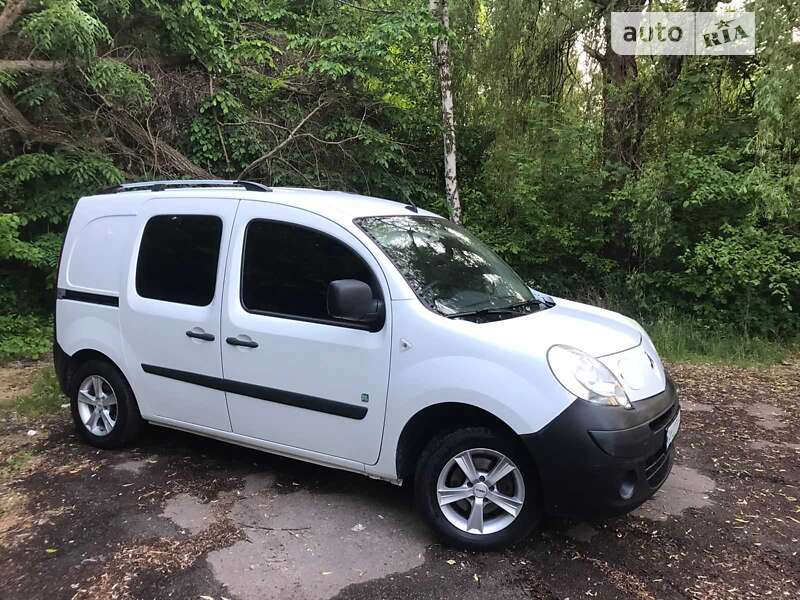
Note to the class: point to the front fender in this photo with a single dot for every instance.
(522, 402)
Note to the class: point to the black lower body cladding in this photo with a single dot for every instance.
(600, 460)
(61, 364)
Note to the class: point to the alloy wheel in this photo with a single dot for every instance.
(480, 491)
(97, 405)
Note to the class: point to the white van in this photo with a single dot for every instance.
(361, 334)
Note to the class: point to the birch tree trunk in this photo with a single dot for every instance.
(441, 53)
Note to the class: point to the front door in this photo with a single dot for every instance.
(294, 375)
(170, 313)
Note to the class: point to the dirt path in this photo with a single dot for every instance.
(15, 380)
(184, 517)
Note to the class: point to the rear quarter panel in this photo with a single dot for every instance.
(95, 260)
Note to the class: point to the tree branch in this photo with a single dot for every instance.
(595, 54)
(288, 139)
(376, 11)
(351, 138)
(24, 66)
(29, 132)
(173, 158)
(49, 66)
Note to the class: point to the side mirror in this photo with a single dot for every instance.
(351, 300)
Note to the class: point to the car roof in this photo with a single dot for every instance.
(338, 206)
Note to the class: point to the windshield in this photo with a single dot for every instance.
(448, 268)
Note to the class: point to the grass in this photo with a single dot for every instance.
(15, 462)
(683, 340)
(44, 398)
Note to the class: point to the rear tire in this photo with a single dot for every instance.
(103, 406)
(447, 496)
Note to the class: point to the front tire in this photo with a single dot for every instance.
(103, 406)
(477, 489)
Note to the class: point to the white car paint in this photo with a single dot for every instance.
(154, 331)
(418, 359)
(319, 360)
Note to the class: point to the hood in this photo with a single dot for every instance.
(617, 341)
(597, 331)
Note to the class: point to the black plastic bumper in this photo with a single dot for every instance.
(600, 460)
(61, 364)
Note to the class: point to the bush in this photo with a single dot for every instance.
(25, 337)
(746, 277)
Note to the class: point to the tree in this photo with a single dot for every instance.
(441, 52)
(325, 95)
(631, 94)
(656, 180)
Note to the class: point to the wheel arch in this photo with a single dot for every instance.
(67, 365)
(432, 419)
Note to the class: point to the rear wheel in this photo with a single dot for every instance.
(477, 490)
(103, 406)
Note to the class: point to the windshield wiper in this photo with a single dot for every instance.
(492, 310)
(526, 303)
(503, 310)
(512, 309)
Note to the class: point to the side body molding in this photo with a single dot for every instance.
(331, 407)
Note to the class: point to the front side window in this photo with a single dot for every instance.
(450, 270)
(287, 268)
(178, 259)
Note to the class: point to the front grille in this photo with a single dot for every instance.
(666, 417)
(655, 468)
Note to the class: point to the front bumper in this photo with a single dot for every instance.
(600, 460)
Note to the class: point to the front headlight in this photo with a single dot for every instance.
(586, 377)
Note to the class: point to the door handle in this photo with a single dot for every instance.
(239, 342)
(200, 335)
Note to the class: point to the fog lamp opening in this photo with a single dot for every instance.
(628, 486)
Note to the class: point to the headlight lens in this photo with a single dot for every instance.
(586, 377)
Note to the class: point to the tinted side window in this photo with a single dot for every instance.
(178, 259)
(287, 269)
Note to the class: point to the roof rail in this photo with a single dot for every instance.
(159, 186)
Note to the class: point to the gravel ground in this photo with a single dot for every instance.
(184, 517)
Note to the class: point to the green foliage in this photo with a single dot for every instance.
(63, 28)
(224, 34)
(707, 223)
(24, 337)
(119, 83)
(36, 95)
(37, 194)
(545, 212)
(44, 399)
(747, 276)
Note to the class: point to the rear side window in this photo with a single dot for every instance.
(287, 268)
(178, 259)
